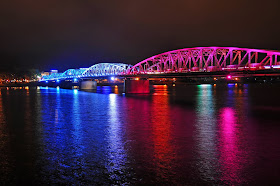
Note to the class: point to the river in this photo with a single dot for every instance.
(182, 135)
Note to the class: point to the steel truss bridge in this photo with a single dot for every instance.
(97, 70)
(185, 62)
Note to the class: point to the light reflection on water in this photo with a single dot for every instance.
(4, 143)
(161, 127)
(193, 135)
(233, 145)
(206, 136)
(230, 166)
(116, 152)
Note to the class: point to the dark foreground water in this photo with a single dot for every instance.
(192, 135)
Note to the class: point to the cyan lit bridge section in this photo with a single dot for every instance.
(84, 78)
(97, 70)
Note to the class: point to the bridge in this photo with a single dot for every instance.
(187, 62)
(97, 70)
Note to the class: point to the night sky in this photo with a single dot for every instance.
(62, 34)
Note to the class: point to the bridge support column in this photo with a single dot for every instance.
(132, 86)
(66, 84)
(88, 85)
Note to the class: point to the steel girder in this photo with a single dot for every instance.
(207, 59)
(70, 73)
(105, 69)
(53, 76)
(100, 69)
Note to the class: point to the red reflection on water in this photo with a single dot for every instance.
(160, 90)
(2, 119)
(163, 151)
(138, 129)
(5, 153)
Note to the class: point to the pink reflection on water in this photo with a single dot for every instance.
(230, 160)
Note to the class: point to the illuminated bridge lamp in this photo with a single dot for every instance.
(57, 81)
(75, 80)
(137, 79)
(229, 77)
(46, 81)
(112, 78)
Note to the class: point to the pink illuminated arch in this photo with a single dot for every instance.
(207, 59)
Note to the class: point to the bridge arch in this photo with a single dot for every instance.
(105, 69)
(100, 69)
(207, 59)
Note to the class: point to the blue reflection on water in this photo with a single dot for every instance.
(116, 153)
(75, 91)
(78, 140)
(104, 89)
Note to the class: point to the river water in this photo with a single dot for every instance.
(183, 135)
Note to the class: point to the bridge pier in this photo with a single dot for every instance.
(137, 86)
(67, 84)
(88, 85)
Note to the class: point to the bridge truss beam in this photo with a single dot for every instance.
(97, 70)
(207, 59)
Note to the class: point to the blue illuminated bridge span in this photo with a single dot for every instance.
(187, 62)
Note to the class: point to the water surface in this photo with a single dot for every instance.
(187, 135)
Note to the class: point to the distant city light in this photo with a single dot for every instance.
(112, 78)
(57, 81)
(75, 80)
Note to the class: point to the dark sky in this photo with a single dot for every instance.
(62, 34)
